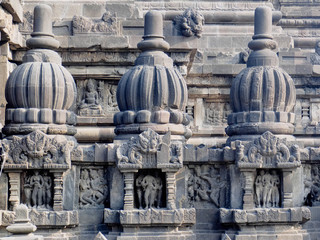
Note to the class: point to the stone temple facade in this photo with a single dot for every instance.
(165, 120)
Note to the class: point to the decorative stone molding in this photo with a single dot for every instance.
(265, 216)
(54, 219)
(149, 150)
(108, 24)
(37, 150)
(151, 217)
(267, 151)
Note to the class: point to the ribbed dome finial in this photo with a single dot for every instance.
(153, 93)
(262, 95)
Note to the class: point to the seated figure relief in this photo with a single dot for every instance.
(267, 189)
(90, 104)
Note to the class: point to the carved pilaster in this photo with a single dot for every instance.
(128, 190)
(248, 202)
(171, 190)
(287, 188)
(14, 180)
(58, 190)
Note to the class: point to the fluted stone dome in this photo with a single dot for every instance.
(153, 91)
(262, 95)
(40, 92)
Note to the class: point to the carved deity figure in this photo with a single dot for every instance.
(149, 191)
(47, 184)
(206, 185)
(93, 188)
(275, 196)
(267, 189)
(90, 99)
(27, 191)
(176, 153)
(36, 182)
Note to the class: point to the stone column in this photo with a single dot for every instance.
(171, 189)
(58, 191)
(14, 180)
(287, 188)
(128, 189)
(248, 202)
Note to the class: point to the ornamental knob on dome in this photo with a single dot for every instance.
(40, 91)
(262, 95)
(153, 91)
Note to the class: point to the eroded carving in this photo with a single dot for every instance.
(190, 23)
(207, 185)
(267, 151)
(107, 24)
(315, 58)
(37, 150)
(217, 113)
(93, 188)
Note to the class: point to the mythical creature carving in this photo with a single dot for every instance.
(133, 151)
(176, 153)
(149, 191)
(190, 23)
(93, 188)
(267, 151)
(37, 150)
(206, 185)
(267, 190)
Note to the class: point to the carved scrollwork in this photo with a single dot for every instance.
(37, 150)
(267, 151)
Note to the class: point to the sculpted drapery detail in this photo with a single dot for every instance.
(267, 151)
(37, 150)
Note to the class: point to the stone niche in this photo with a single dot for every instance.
(267, 167)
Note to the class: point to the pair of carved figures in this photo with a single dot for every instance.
(38, 190)
(267, 189)
(205, 186)
(149, 191)
(93, 188)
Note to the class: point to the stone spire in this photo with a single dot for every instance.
(262, 95)
(40, 91)
(153, 94)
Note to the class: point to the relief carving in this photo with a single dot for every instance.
(107, 24)
(38, 190)
(93, 188)
(190, 23)
(267, 151)
(149, 191)
(96, 98)
(37, 150)
(217, 113)
(312, 187)
(206, 185)
(315, 58)
(131, 154)
(267, 189)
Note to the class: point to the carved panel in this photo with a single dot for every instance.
(207, 184)
(108, 24)
(312, 186)
(96, 98)
(149, 150)
(267, 151)
(93, 187)
(267, 189)
(37, 150)
(37, 190)
(216, 113)
(190, 23)
(150, 189)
